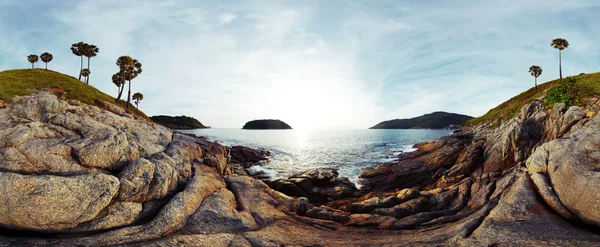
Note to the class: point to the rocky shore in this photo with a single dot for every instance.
(78, 175)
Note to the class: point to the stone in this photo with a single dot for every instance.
(117, 214)
(217, 214)
(53, 203)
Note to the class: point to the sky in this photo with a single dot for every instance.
(313, 64)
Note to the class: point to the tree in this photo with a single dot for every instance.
(90, 51)
(125, 64)
(560, 44)
(535, 71)
(46, 58)
(32, 59)
(138, 97)
(119, 81)
(77, 49)
(133, 72)
(86, 73)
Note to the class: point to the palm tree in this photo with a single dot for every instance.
(560, 44)
(133, 72)
(90, 51)
(86, 73)
(125, 63)
(32, 59)
(77, 49)
(118, 80)
(46, 58)
(535, 71)
(138, 97)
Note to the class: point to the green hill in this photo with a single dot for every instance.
(585, 86)
(435, 120)
(28, 81)
(181, 122)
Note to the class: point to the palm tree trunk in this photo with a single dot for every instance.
(560, 64)
(536, 84)
(120, 93)
(81, 67)
(46, 66)
(88, 77)
(129, 95)
(32, 65)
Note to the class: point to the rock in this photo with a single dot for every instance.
(74, 174)
(52, 203)
(416, 168)
(365, 206)
(407, 194)
(303, 206)
(118, 214)
(562, 119)
(572, 166)
(217, 214)
(319, 185)
(248, 156)
(413, 206)
(255, 197)
(135, 181)
(324, 215)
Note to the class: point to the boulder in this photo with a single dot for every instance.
(52, 203)
(318, 185)
(248, 156)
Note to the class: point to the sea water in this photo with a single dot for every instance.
(349, 151)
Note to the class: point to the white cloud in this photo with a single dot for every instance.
(226, 18)
(330, 64)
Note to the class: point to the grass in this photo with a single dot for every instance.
(28, 81)
(587, 84)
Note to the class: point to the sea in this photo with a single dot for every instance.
(349, 151)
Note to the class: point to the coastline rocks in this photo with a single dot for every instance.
(572, 166)
(477, 187)
(318, 185)
(248, 157)
(418, 168)
(52, 203)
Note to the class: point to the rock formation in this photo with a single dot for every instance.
(75, 174)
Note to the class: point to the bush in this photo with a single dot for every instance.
(564, 93)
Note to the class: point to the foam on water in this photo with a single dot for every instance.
(349, 151)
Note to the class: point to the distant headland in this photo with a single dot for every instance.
(264, 124)
(180, 122)
(434, 120)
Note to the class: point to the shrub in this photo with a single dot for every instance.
(564, 93)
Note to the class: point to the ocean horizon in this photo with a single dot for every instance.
(348, 150)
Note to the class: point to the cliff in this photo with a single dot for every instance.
(180, 122)
(266, 124)
(435, 120)
(79, 174)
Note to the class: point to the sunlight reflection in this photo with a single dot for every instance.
(301, 136)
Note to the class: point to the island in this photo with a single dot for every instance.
(266, 124)
(434, 120)
(180, 122)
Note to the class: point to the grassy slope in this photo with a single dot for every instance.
(587, 83)
(27, 81)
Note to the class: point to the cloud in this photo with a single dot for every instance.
(226, 18)
(338, 64)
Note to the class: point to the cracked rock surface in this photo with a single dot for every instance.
(75, 174)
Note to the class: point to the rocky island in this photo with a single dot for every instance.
(435, 120)
(265, 124)
(180, 122)
(74, 173)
